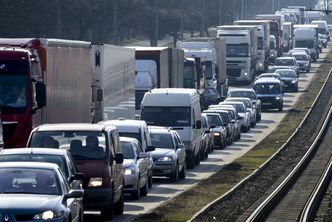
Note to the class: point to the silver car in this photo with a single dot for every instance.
(303, 60)
(218, 129)
(286, 63)
(169, 157)
(135, 167)
(244, 114)
(249, 106)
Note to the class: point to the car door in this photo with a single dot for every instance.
(74, 184)
(118, 169)
(181, 152)
(143, 163)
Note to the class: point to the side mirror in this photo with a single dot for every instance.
(40, 94)
(232, 121)
(150, 148)
(225, 124)
(119, 158)
(198, 124)
(74, 194)
(180, 146)
(77, 176)
(142, 155)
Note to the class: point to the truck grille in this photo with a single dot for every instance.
(233, 72)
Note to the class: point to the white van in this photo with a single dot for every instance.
(180, 109)
(322, 27)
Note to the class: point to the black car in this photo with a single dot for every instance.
(289, 79)
(32, 191)
(211, 96)
(48, 155)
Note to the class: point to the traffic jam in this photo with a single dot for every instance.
(99, 132)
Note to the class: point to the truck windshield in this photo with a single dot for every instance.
(260, 42)
(166, 116)
(208, 69)
(267, 88)
(189, 75)
(83, 145)
(147, 67)
(304, 44)
(322, 31)
(237, 50)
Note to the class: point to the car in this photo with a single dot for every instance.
(248, 93)
(97, 153)
(306, 50)
(135, 168)
(323, 39)
(169, 157)
(208, 132)
(249, 106)
(32, 191)
(270, 92)
(211, 96)
(270, 75)
(289, 78)
(303, 60)
(47, 155)
(219, 131)
(137, 129)
(286, 63)
(243, 112)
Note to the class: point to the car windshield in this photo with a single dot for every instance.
(162, 140)
(246, 103)
(127, 150)
(208, 69)
(224, 116)
(166, 116)
(35, 157)
(250, 95)
(300, 57)
(213, 119)
(267, 88)
(81, 144)
(210, 92)
(284, 62)
(286, 74)
(239, 108)
(189, 75)
(131, 135)
(29, 181)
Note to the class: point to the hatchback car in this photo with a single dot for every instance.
(243, 112)
(208, 133)
(249, 106)
(289, 79)
(211, 96)
(286, 63)
(32, 191)
(294, 50)
(248, 93)
(218, 129)
(303, 60)
(270, 75)
(135, 167)
(169, 157)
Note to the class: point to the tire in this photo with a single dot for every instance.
(107, 212)
(150, 180)
(280, 108)
(80, 219)
(182, 174)
(197, 159)
(137, 193)
(144, 190)
(191, 160)
(175, 174)
(119, 205)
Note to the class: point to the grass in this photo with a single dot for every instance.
(184, 206)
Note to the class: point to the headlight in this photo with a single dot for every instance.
(47, 215)
(278, 98)
(260, 64)
(216, 133)
(165, 159)
(293, 81)
(95, 182)
(245, 73)
(129, 171)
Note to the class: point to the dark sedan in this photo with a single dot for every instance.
(289, 79)
(211, 96)
(37, 192)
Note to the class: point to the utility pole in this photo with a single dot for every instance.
(181, 21)
(242, 9)
(58, 25)
(115, 22)
(156, 23)
(220, 12)
(273, 9)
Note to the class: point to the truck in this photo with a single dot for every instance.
(300, 13)
(312, 16)
(288, 36)
(46, 81)
(275, 28)
(306, 36)
(157, 67)
(263, 35)
(193, 77)
(212, 54)
(241, 54)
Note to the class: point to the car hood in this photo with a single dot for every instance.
(285, 67)
(128, 162)
(302, 61)
(159, 152)
(268, 95)
(288, 79)
(29, 202)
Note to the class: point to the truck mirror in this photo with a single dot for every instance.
(198, 124)
(40, 94)
(100, 95)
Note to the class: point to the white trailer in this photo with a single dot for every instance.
(114, 75)
(306, 36)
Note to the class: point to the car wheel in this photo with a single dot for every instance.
(182, 174)
(150, 180)
(206, 153)
(197, 159)
(280, 108)
(80, 219)
(107, 212)
(175, 175)
(145, 188)
(191, 160)
(137, 193)
(119, 205)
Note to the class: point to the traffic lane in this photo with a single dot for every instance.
(163, 190)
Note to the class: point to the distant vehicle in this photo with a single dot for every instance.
(243, 112)
(303, 60)
(322, 28)
(169, 158)
(323, 39)
(248, 93)
(91, 146)
(273, 49)
(219, 130)
(211, 96)
(270, 92)
(306, 50)
(135, 167)
(37, 192)
(249, 106)
(208, 132)
(270, 75)
(286, 63)
(47, 155)
(289, 78)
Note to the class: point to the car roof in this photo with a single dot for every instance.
(267, 80)
(214, 111)
(124, 122)
(31, 150)
(237, 98)
(242, 90)
(285, 57)
(298, 52)
(72, 127)
(162, 130)
(39, 165)
(289, 70)
(128, 139)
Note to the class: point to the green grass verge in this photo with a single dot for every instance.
(184, 206)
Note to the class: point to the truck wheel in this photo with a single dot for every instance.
(119, 205)
(191, 160)
(182, 174)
